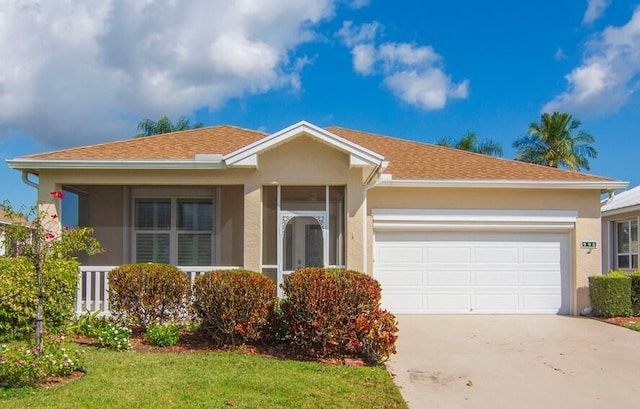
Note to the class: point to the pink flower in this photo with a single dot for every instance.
(57, 194)
(54, 216)
(49, 236)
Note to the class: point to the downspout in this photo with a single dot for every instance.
(25, 179)
(608, 200)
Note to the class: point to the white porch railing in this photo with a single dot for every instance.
(93, 286)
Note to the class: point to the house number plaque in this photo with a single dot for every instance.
(589, 244)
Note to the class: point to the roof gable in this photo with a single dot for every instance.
(247, 156)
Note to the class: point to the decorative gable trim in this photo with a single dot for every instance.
(358, 155)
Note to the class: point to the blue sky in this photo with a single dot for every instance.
(86, 72)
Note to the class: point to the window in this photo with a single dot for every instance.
(626, 234)
(174, 231)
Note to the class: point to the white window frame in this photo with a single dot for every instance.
(174, 195)
(614, 247)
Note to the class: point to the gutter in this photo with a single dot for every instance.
(504, 184)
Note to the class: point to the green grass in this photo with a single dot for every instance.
(210, 380)
(633, 325)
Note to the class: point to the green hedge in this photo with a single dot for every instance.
(611, 294)
(18, 296)
(635, 292)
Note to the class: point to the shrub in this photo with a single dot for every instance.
(234, 306)
(148, 293)
(333, 312)
(163, 335)
(635, 292)
(21, 365)
(610, 294)
(101, 328)
(18, 296)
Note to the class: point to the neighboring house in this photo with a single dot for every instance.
(620, 231)
(4, 220)
(443, 230)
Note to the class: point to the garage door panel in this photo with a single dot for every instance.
(449, 303)
(536, 255)
(538, 279)
(541, 302)
(496, 278)
(498, 255)
(451, 278)
(401, 277)
(448, 254)
(497, 302)
(473, 272)
(402, 302)
(398, 254)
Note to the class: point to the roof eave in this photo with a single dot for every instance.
(505, 184)
(621, 210)
(155, 164)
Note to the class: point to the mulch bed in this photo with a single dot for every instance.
(622, 321)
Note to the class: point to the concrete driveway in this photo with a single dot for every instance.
(502, 361)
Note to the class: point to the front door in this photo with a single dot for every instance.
(302, 242)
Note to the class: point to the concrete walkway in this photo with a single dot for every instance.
(501, 361)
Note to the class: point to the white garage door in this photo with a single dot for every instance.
(483, 273)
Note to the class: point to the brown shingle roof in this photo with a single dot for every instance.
(416, 160)
(407, 159)
(220, 139)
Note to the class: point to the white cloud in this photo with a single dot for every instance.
(364, 58)
(88, 71)
(609, 73)
(358, 4)
(364, 33)
(560, 55)
(595, 10)
(412, 72)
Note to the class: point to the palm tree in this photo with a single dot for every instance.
(164, 125)
(470, 143)
(555, 142)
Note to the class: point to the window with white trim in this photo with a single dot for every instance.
(626, 248)
(174, 230)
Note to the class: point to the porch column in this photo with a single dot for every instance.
(355, 243)
(48, 206)
(252, 226)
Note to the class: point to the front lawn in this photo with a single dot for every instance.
(210, 380)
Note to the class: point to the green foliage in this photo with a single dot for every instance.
(555, 142)
(147, 293)
(18, 295)
(234, 306)
(610, 294)
(163, 335)
(333, 312)
(101, 328)
(164, 125)
(470, 143)
(21, 365)
(635, 292)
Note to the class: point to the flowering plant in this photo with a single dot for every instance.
(21, 365)
(38, 236)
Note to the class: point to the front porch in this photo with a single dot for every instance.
(93, 286)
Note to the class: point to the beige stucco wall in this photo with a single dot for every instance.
(607, 239)
(586, 202)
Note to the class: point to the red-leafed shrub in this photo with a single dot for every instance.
(334, 312)
(234, 306)
(147, 293)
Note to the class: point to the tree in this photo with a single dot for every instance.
(470, 143)
(164, 125)
(41, 239)
(556, 142)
